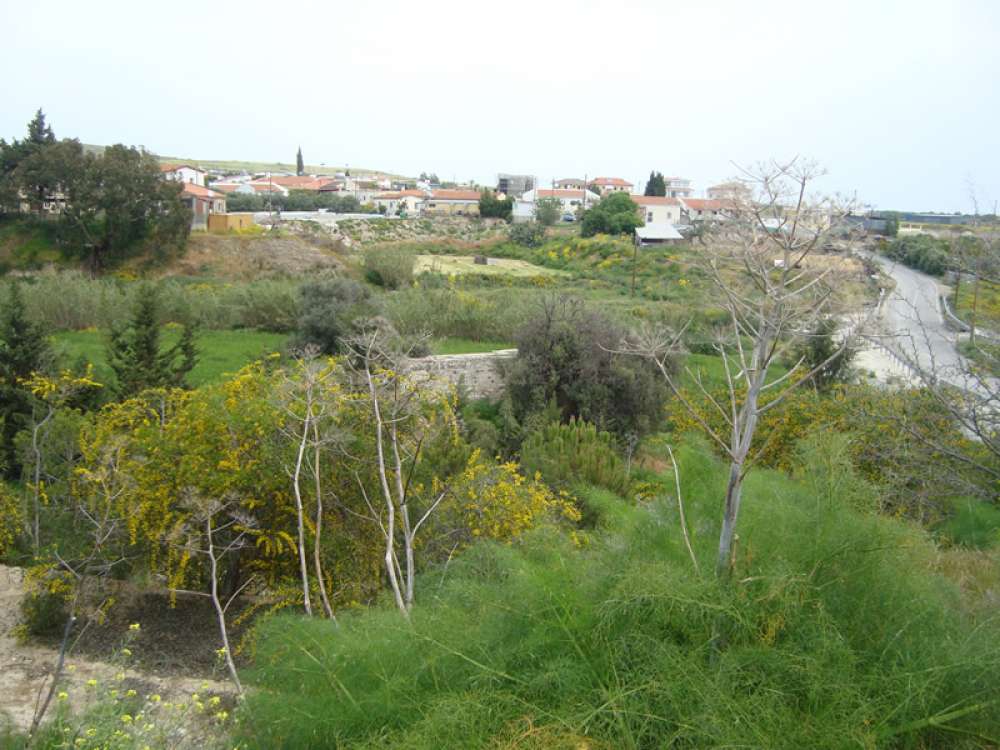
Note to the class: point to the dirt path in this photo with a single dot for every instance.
(24, 668)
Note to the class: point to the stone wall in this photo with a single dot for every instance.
(477, 374)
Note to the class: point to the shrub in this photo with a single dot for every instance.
(921, 251)
(836, 631)
(45, 603)
(565, 454)
(329, 309)
(528, 234)
(615, 214)
(391, 268)
(565, 355)
(974, 524)
(10, 521)
(482, 315)
(548, 211)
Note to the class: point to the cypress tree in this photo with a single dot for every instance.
(300, 167)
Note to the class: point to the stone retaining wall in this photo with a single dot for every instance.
(476, 374)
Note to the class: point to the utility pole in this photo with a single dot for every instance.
(584, 191)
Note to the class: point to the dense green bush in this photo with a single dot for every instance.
(527, 233)
(973, 523)
(615, 214)
(836, 632)
(390, 267)
(566, 354)
(329, 309)
(566, 454)
(921, 251)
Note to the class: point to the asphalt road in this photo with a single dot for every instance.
(912, 324)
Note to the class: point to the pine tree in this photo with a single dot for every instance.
(23, 350)
(300, 167)
(39, 132)
(135, 356)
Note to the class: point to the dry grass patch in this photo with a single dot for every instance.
(461, 264)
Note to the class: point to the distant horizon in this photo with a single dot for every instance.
(896, 100)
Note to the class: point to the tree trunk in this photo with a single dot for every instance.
(734, 494)
(303, 569)
(319, 528)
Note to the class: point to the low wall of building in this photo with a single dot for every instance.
(475, 374)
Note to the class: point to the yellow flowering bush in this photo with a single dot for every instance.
(10, 520)
(496, 501)
(47, 592)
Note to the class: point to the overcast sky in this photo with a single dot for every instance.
(899, 100)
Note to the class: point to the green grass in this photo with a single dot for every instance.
(27, 244)
(219, 352)
(836, 631)
(467, 346)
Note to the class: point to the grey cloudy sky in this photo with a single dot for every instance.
(898, 100)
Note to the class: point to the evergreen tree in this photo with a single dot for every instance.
(135, 355)
(39, 132)
(300, 167)
(656, 185)
(23, 350)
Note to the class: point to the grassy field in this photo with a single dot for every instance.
(27, 244)
(987, 308)
(467, 346)
(461, 264)
(219, 352)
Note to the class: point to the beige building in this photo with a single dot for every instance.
(410, 202)
(706, 209)
(459, 202)
(612, 185)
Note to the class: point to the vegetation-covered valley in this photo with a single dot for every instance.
(688, 520)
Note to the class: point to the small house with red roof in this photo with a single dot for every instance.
(203, 202)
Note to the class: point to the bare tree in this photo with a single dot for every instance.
(760, 263)
(308, 403)
(395, 406)
(215, 529)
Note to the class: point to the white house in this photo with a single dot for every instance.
(678, 187)
(570, 199)
(659, 209)
(183, 173)
(570, 183)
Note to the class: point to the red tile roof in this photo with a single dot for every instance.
(706, 204)
(655, 200)
(300, 182)
(202, 192)
(175, 167)
(560, 193)
(610, 182)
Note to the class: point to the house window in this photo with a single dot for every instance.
(649, 216)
